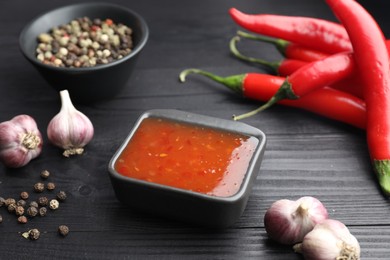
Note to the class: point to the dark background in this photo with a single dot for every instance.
(306, 154)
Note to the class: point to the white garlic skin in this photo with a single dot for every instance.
(329, 240)
(20, 141)
(287, 221)
(70, 129)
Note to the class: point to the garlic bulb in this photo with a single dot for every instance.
(287, 221)
(20, 141)
(329, 240)
(70, 129)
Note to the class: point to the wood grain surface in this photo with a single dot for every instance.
(306, 154)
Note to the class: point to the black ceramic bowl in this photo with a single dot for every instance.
(92, 83)
(181, 204)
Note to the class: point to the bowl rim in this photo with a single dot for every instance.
(134, 52)
(182, 116)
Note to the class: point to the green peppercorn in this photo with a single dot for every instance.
(63, 230)
(39, 187)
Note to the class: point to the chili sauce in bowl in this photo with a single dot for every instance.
(189, 167)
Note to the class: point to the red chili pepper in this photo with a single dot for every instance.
(328, 102)
(283, 68)
(286, 67)
(312, 76)
(288, 49)
(372, 61)
(314, 33)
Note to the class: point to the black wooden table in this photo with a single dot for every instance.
(306, 154)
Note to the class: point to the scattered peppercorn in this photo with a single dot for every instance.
(24, 195)
(50, 186)
(54, 204)
(2, 201)
(63, 230)
(34, 234)
(45, 174)
(42, 211)
(84, 43)
(61, 195)
(1, 219)
(43, 201)
(39, 187)
(21, 203)
(32, 211)
(11, 208)
(34, 204)
(22, 219)
(19, 210)
(9, 201)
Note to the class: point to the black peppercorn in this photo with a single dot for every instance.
(50, 186)
(43, 201)
(39, 187)
(11, 207)
(63, 230)
(45, 174)
(1, 218)
(9, 201)
(61, 196)
(32, 211)
(2, 201)
(24, 195)
(21, 203)
(34, 234)
(42, 211)
(34, 204)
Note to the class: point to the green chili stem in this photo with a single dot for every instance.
(280, 44)
(285, 91)
(234, 82)
(382, 169)
(233, 48)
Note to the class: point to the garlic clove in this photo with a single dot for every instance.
(287, 221)
(70, 129)
(329, 240)
(20, 141)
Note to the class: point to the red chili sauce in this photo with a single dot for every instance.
(187, 156)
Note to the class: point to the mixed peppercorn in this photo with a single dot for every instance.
(26, 210)
(84, 43)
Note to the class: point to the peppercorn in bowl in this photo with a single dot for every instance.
(90, 49)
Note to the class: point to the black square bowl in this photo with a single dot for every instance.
(181, 204)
